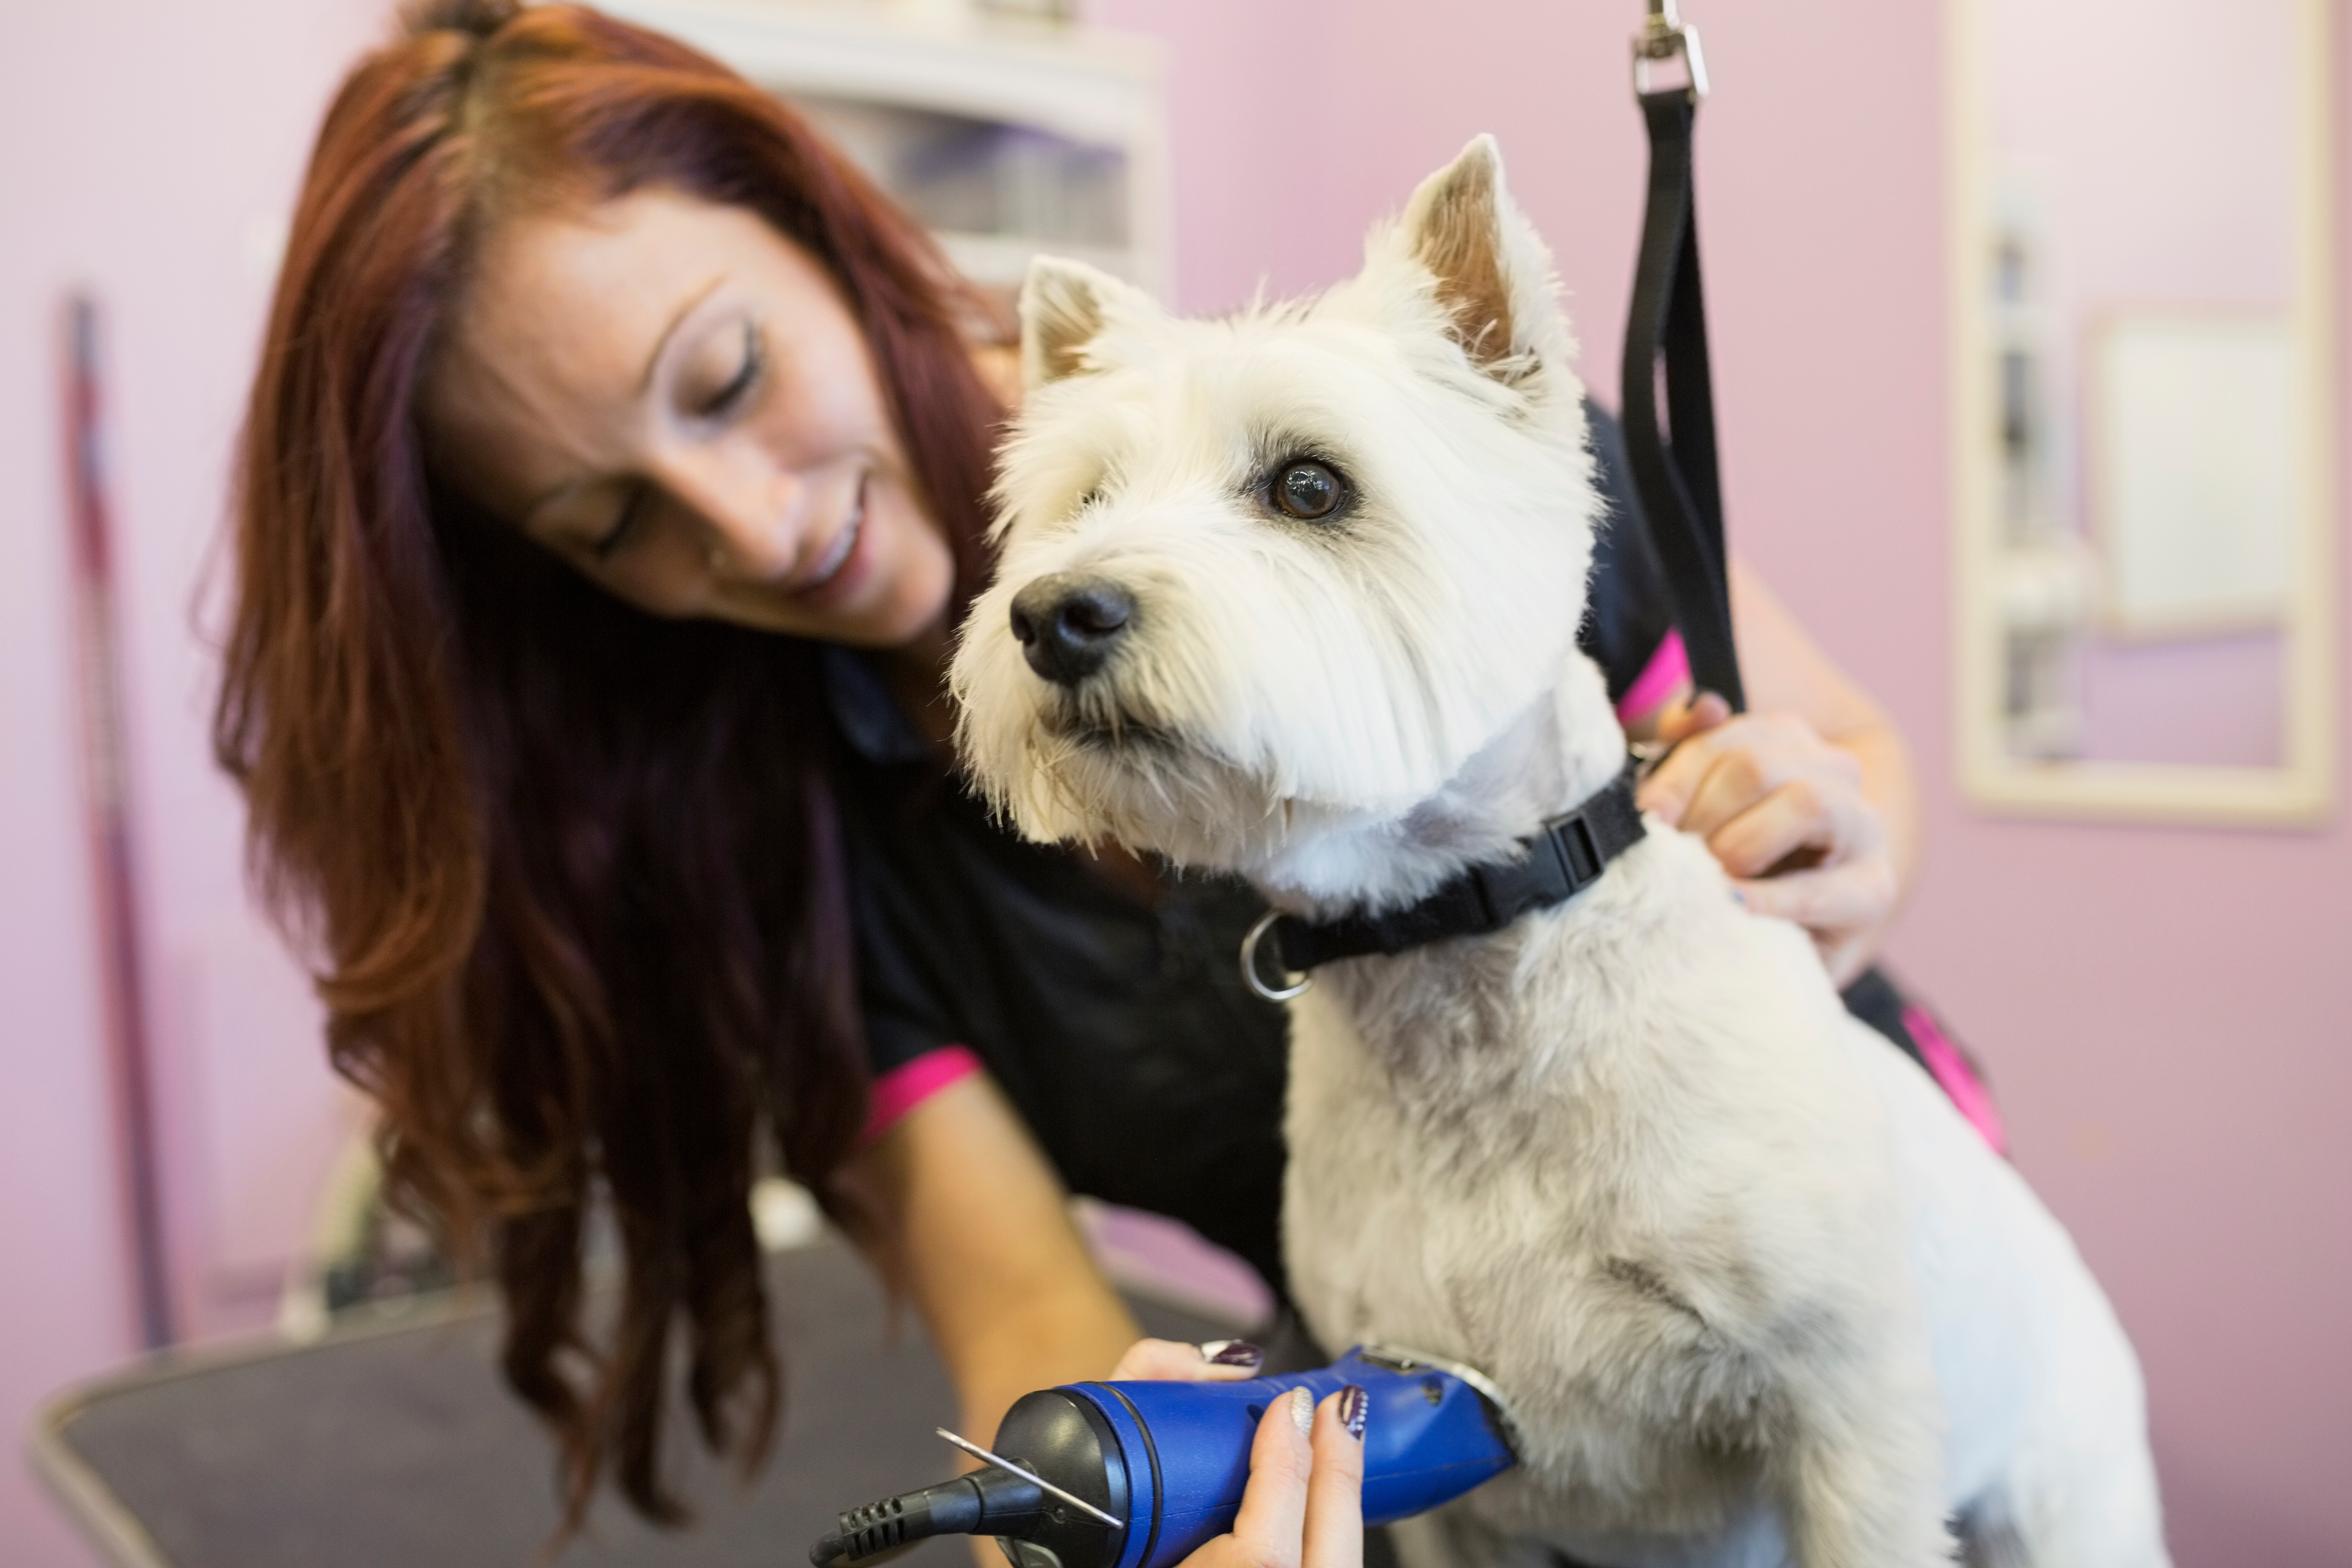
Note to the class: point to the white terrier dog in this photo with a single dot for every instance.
(1295, 595)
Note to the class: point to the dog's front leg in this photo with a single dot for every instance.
(1862, 1477)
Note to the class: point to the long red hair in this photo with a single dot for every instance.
(567, 873)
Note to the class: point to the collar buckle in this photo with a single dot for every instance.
(1563, 857)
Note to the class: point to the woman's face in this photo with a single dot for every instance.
(674, 398)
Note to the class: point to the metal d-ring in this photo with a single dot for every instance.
(1298, 983)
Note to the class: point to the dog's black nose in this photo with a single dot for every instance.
(1065, 624)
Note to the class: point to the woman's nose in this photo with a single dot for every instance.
(753, 513)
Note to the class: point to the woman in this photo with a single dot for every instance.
(612, 485)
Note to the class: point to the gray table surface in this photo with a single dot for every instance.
(395, 1446)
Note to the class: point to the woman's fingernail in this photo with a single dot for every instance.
(1355, 1404)
(1232, 1352)
(1302, 1410)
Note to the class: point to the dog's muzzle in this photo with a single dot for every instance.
(1067, 623)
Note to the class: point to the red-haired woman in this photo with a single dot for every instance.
(612, 480)
(612, 476)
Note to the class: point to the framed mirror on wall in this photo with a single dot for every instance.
(2144, 406)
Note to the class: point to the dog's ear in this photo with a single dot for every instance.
(1063, 305)
(1492, 274)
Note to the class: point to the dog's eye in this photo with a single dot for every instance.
(1307, 491)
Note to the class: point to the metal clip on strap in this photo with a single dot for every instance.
(1664, 37)
(1673, 460)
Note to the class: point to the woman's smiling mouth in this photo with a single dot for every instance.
(844, 544)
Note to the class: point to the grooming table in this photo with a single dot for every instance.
(396, 1446)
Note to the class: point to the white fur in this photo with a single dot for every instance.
(1755, 1291)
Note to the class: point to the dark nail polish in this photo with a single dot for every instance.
(1232, 1352)
(1355, 1405)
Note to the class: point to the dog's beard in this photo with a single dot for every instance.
(1092, 719)
(1094, 765)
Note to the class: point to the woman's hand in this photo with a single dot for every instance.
(1304, 1507)
(1807, 800)
(1305, 1504)
(1783, 809)
(1173, 1361)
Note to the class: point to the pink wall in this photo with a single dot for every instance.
(151, 150)
(2165, 1009)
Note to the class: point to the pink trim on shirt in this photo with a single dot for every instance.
(1951, 1069)
(910, 1084)
(1668, 668)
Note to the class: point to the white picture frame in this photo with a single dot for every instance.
(2196, 470)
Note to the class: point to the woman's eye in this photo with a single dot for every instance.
(737, 387)
(1308, 490)
(633, 507)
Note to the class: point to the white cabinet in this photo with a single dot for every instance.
(1004, 138)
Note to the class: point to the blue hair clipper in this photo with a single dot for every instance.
(1138, 1475)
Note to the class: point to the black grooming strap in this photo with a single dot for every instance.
(1676, 477)
(1563, 857)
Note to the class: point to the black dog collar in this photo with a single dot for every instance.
(1564, 856)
